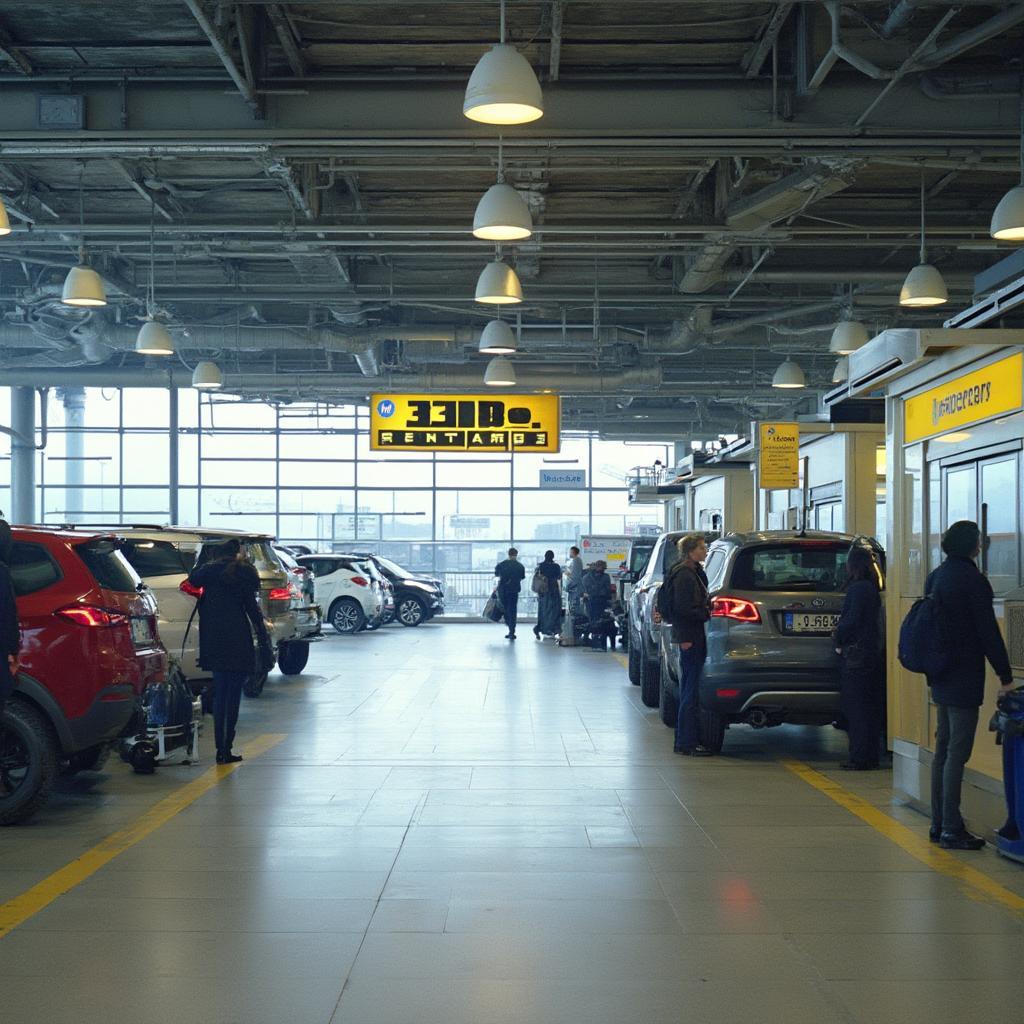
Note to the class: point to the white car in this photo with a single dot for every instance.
(350, 594)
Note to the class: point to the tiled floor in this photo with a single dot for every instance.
(457, 829)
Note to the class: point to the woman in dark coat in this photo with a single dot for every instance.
(858, 640)
(229, 614)
(549, 604)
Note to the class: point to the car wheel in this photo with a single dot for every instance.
(253, 685)
(410, 611)
(650, 681)
(292, 657)
(28, 762)
(346, 615)
(711, 729)
(92, 759)
(634, 665)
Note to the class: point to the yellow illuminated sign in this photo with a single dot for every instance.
(778, 457)
(958, 403)
(464, 423)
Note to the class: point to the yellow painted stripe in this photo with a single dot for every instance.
(621, 659)
(21, 908)
(976, 882)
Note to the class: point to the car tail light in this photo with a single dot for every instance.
(736, 608)
(727, 694)
(360, 581)
(188, 588)
(90, 615)
(280, 594)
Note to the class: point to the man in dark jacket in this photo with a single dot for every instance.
(229, 615)
(510, 573)
(10, 631)
(964, 596)
(691, 610)
(598, 591)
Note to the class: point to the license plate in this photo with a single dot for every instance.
(141, 633)
(809, 622)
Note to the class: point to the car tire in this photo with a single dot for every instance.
(650, 681)
(711, 730)
(92, 759)
(253, 685)
(347, 616)
(29, 762)
(410, 611)
(292, 657)
(633, 665)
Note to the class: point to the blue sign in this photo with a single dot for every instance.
(385, 408)
(564, 479)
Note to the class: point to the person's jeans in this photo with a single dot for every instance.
(510, 603)
(859, 700)
(227, 695)
(954, 740)
(691, 665)
(573, 596)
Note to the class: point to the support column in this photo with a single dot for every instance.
(172, 469)
(74, 468)
(23, 455)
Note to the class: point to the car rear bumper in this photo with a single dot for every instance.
(787, 692)
(107, 717)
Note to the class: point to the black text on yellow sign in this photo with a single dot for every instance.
(464, 423)
(778, 456)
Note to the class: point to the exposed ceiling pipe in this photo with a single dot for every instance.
(840, 51)
(900, 16)
(970, 85)
(996, 25)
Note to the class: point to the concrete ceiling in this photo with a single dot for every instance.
(710, 185)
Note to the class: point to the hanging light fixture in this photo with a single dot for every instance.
(503, 88)
(498, 285)
(499, 373)
(924, 285)
(82, 286)
(497, 339)
(154, 339)
(789, 375)
(849, 334)
(502, 214)
(841, 373)
(5, 223)
(206, 376)
(1008, 216)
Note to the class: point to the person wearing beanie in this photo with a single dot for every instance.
(964, 598)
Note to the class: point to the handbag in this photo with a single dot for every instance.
(493, 610)
(265, 658)
(540, 583)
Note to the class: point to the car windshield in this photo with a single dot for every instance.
(154, 558)
(108, 566)
(818, 566)
(286, 559)
(638, 555)
(392, 567)
(262, 555)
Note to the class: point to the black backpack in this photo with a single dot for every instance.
(665, 601)
(925, 638)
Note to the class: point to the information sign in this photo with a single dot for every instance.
(778, 460)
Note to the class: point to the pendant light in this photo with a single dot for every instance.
(1008, 216)
(498, 285)
(849, 334)
(499, 373)
(206, 376)
(502, 214)
(841, 373)
(82, 286)
(924, 285)
(789, 375)
(5, 223)
(503, 88)
(497, 339)
(154, 339)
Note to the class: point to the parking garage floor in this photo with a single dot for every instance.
(446, 827)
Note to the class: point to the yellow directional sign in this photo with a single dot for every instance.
(464, 423)
(778, 456)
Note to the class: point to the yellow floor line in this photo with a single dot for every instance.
(621, 659)
(976, 882)
(18, 910)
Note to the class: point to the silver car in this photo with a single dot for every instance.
(775, 599)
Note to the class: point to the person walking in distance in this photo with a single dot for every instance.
(229, 614)
(598, 591)
(691, 609)
(549, 598)
(10, 630)
(574, 580)
(964, 598)
(510, 573)
(857, 639)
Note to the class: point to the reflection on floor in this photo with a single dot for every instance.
(459, 829)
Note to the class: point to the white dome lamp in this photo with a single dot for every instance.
(83, 286)
(5, 223)
(1008, 217)
(497, 339)
(924, 285)
(849, 334)
(498, 285)
(154, 339)
(206, 376)
(502, 214)
(841, 373)
(500, 373)
(789, 375)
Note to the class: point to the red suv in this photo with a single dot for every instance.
(89, 648)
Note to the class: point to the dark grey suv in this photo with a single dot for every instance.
(775, 598)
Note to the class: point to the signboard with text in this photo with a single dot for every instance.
(563, 479)
(778, 464)
(464, 423)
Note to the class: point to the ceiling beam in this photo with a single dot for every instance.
(133, 179)
(9, 49)
(279, 21)
(755, 57)
(555, 57)
(226, 58)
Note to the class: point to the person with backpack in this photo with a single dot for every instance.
(510, 573)
(683, 601)
(962, 597)
(546, 579)
(857, 639)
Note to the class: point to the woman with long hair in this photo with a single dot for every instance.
(549, 599)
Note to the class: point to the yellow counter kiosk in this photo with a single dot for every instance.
(954, 438)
